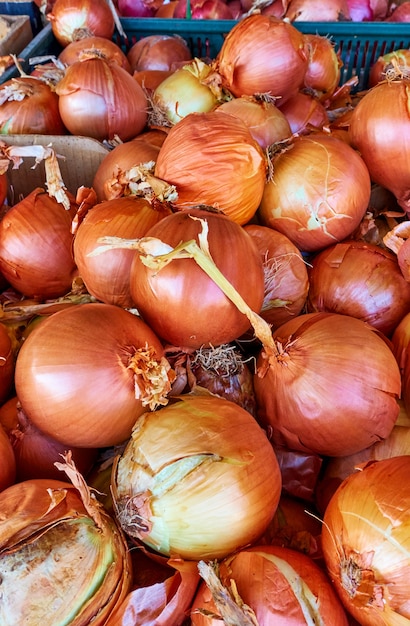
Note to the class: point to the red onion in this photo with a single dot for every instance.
(138, 8)
(317, 11)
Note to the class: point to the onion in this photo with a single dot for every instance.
(360, 10)
(322, 392)
(362, 280)
(180, 302)
(300, 472)
(204, 10)
(365, 541)
(264, 119)
(158, 52)
(277, 65)
(151, 79)
(285, 272)
(107, 181)
(266, 585)
(90, 393)
(389, 64)
(330, 197)
(107, 277)
(73, 19)
(165, 495)
(401, 13)
(167, 9)
(7, 358)
(324, 65)
(8, 461)
(36, 246)
(100, 99)
(304, 113)
(138, 8)
(55, 531)
(29, 106)
(212, 159)
(4, 187)
(383, 139)
(94, 46)
(318, 11)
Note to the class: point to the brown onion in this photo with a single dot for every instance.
(72, 20)
(359, 279)
(388, 64)
(319, 192)
(285, 272)
(29, 106)
(400, 13)
(380, 130)
(7, 359)
(324, 65)
(158, 52)
(85, 374)
(8, 461)
(100, 99)
(366, 542)
(212, 159)
(304, 112)
(107, 277)
(36, 246)
(94, 46)
(323, 392)
(267, 585)
(276, 65)
(180, 302)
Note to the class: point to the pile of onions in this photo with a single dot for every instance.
(164, 483)
(359, 279)
(100, 99)
(94, 46)
(8, 461)
(107, 277)
(383, 139)
(72, 20)
(57, 531)
(366, 542)
(158, 53)
(110, 177)
(331, 388)
(331, 196)
(285, 273)
(85, 374)
(266, 585)
(277, 65)
(180, 302)
(36, 246)
(29, 106)
(213, 160)
(266, 122)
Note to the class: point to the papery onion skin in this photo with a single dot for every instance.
(29, 106)
(171, 489)
(158, 52)
(319, 193)
(213, 160)
(366, 542)
(386, 64)
(180, 302)
(304, 112)
(276, 65)
(323, 393)
(8, 461)
(383, 139)
(324, 65)
(71, 20)
(99, 99)
(73, 374)
(107, 277)
(36, 246)
(286, 275)
(265, 580)
(47, 529)
(362, 280)
(100, 46)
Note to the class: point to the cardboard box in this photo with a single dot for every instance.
(78, 158)
(23, 7)
(18, 36)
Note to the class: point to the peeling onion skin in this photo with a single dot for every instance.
(165, 495)
(333, 389)
(366, 542)
(318, 194)
(362, 280)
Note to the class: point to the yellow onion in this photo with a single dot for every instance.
(63, 558)
(198, 479)
(319, 192)
(160, 52)
(324, 65)
(72, 20)
(262, 54)
(94, 46)
(212, 159)
(366, 542)
(264, 119)
(266, 585)
(331, 388)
